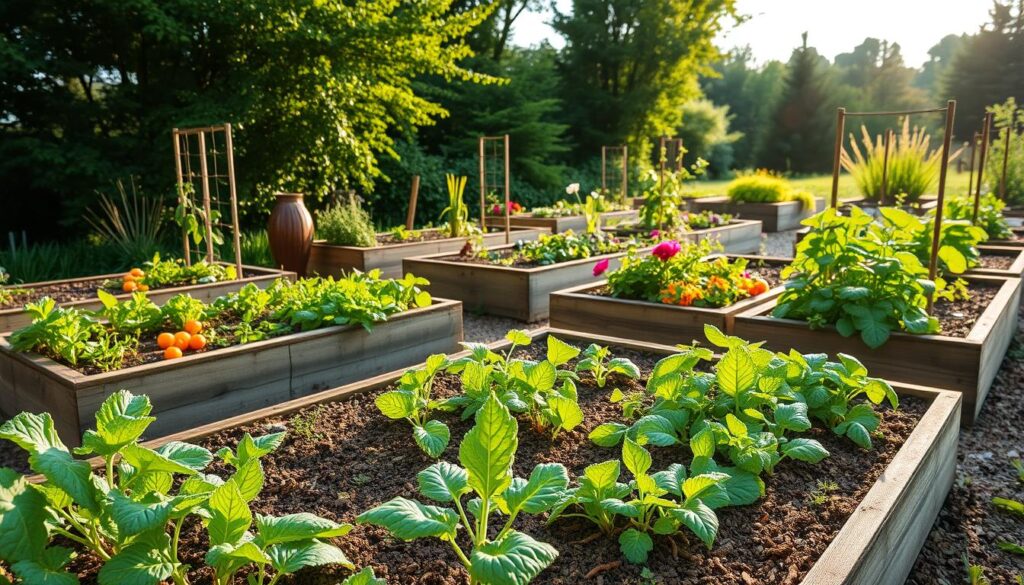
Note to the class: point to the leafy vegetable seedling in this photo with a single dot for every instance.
(598, 361)
(412, 401)
(487, 451)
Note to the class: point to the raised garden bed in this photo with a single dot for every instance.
(212, 385)
(576, 223)
(922, 207)
(1016, 241)
(1005, 261)
(587, 308)
(966, 363)
(506, 291)
(775, 217)
(81, 292)
(328, 260)
(871, 529)
(739, 236)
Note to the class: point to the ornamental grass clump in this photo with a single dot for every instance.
(913, 167)
(346, 224)
(763, 187)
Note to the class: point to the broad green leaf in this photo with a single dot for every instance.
(397, 404)
(736, 427)
(364, 577)
(135, 517)
(230, 517)
(37, 573)
(489, 447)
(34, 433)
(657, 430)
(443, 481)
(636, 458)
(716, 337)
(120, 420)
(408, 519)
(567, 412)
(793, 417)
(255, 447)
(293, 556)
(146, 460)
(560, 352)
(617, 506)
(296, 527)
(515, 559)
(519, 337)
(956, 262)
(623, 366)
(703, 443)
(23, 534)
(699, 518)
(635, 545)
(228, 558)
(536, 495)
(807, 450)
(608, 434)
(1009, 505)
(541, 376)
(699, 485)
(603, 475)
(736, 372)
(136, 565)
(671, 479)
(65, 472)
(742, 487)
(187, 454)
(432, 437)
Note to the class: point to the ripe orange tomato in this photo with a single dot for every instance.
(137, 272)
(165, 340)
(197, 342)
(143, 287)
(181, 339)
(129, 286)
(172, 352)
(128, 277)
(193, 326)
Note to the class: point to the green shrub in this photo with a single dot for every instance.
(1005, 121)
(990, 214)
(346, 224)
(765, 188)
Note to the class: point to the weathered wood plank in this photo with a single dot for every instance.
(775, 217)
(576, 223)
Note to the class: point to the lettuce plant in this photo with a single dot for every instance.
(412, 401)
(130, 516)
(502, 557)
(541, 390)
(598, 361)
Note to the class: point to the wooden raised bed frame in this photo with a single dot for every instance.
(205, 387)
(775, 217)
(1016, 270)
(963, 364)
(578, 310)
(328, 260)
(576, 223)
(880, 541)
(518, 293)
(17, 317)
(740, 236)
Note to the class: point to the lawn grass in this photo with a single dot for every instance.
(821, 186)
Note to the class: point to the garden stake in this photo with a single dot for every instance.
(411, 214)
(970, 169)
(937, 233)
(840, 128)
(885, 165)
(1006, 153)
(986, 126)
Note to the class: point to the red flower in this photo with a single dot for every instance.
(666, 250)
(601, 267)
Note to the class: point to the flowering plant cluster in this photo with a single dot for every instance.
(702, 220)
(513, 208)
(683, 275)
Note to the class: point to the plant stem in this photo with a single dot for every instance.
(110, 471)
(465, 520)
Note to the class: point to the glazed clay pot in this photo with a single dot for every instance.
(290, 230)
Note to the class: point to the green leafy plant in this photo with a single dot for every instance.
(192, 219)
(160, 273)
(131, 222)
(346, 224)
(599, 362)
(958, 239)
(412, 401)
(71, 335)
(763, 187)
(130, 316)
(131, 514)
(859, 280)
(913, 168)
(502, 557)
(664, 195)
(990, 214)
(540, 390)
(456, 215)
(1007, 117)
(551, 249)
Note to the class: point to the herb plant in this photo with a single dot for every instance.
(412, 401)
(346, 224)
(598, 361)
(457, 213)
(502, 557)
(130, 514)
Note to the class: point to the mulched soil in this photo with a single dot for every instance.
(958, 317)
(66, 292)
(503, 254)
(425, 236)
(352, 458)
(996, 262)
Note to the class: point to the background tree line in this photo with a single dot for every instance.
(331, 97)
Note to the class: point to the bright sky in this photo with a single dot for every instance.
(774, 29)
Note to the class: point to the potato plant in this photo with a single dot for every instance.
(130, 514)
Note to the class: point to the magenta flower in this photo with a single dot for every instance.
(666, 249)
(601, 267)
(655, 234)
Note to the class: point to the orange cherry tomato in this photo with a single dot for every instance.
(143, 287)
(128, 277)
(165, 340)
(193, 326)
(129, 286)
(197, 342)
(181, 339)
(172, 352)
(137, 273)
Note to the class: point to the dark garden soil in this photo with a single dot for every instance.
(348, 458)
(996, 262)
(389, 239)
(508, 259)
(67, 292)
(958, 317)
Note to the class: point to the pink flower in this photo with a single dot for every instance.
(655, 233)
(666, 249)
(601, 267)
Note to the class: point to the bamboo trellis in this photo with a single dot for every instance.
(205, 163)
(494, 175)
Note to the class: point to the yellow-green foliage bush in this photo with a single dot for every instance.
(765, 188)
(346, 224)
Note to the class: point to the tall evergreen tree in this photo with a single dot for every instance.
(802, 131)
